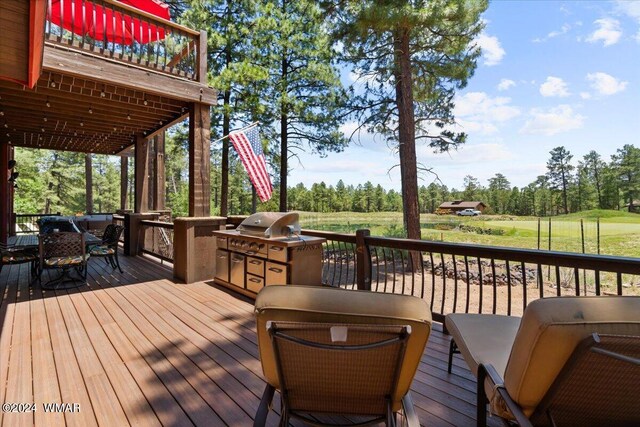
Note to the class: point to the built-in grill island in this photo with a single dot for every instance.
(267, 249)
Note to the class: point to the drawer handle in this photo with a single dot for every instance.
(275, 270)
(255, 262)
(276, 248)
(254, 280)
(236, 260)
(222, 257)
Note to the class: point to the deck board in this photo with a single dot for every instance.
(140, 349)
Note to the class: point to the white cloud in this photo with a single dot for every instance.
(606, 84)
(477, 112)
(585, 95)
(608, 32)
(506, 84)
(554, 87)
(492, 51)
(552, 121)
(629, 8)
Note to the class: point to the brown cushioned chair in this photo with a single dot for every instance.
(522, 363)
(321, 325)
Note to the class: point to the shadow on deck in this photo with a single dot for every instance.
(139, 349)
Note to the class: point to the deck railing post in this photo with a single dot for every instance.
(363, 261)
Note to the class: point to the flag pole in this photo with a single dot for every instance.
(237, 130)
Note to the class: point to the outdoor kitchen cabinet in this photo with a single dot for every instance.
(246, 264)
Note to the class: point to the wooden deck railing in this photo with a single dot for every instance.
(157, 239)
(134, 37)
(470, 278)
(27, 223)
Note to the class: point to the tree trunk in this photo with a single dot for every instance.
(226, 128)
(284, 149)
(407, 135)
(224, 163)
(564, 194)
(407, 142)
(88, 172)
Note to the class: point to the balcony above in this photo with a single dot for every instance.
(99, 90)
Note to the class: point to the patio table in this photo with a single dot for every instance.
(31, 240)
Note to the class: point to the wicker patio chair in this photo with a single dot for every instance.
(108, 249)
(335, 351)
(63, 251)
(522, 365)
(11, 254)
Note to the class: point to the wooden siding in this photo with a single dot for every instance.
(14, 43)
(139, 349)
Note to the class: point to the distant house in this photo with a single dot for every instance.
(458, 205)
(634, 206)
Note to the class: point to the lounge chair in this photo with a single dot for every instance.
(532, 370)
(343, 352)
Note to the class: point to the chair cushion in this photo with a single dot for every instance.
(102, 251)
(550, 330)
(483, 338)
(64, 261)
(17, 257)
(334, 305)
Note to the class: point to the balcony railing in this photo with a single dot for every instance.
(470, 278)
(121, 33)
(27, 223)
(157, 239)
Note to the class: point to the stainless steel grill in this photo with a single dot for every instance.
(270, 225)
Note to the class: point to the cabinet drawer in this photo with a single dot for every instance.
(277, 253)
(221, 242)
(255, 266)
(254, 283)
(276, 274)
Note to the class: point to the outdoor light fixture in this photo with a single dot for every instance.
(81, 124)
(48, 104)
(44, 119)
(75, 134)
(145, 101)
(128, 117)
(53, 83)
(42, 129)
(1, 113)
(6, 125)
(90, 110)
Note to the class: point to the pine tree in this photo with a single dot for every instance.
(627, 164)
(411, 57)
(304, 94)
(559, 172)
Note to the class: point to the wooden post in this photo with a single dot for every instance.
(141, 175)
(88, 170)
(124, 181)
(199, 162)
(12, 193)
(159, 175)
(363, 261)
(4, 192)
(151, 191)
(202, 57)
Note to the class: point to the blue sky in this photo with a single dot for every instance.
(552, 73)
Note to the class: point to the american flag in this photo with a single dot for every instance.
(247, 144)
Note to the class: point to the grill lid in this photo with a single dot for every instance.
(270, 225)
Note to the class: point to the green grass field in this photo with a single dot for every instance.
(619, 231)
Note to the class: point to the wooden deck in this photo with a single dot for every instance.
(139, 349)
